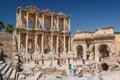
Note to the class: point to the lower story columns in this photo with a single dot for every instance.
(42, 44)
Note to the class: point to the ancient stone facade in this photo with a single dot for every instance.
(42, 31)
(117, 43)
(95, 45)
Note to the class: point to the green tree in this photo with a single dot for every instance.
(9, 28)
(1, 25)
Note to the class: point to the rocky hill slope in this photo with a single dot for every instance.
(6, 41)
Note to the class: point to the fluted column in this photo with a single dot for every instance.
(19, 43)
(36, 43)
(96, 53)
(64, 24)
(36, 20)
(42, 21)
(64, 46)
(20, 21)
(51, 43)
(69, 43)
(27, 22)
(51, 22)
(84, 51)
(69, 24)
(42, 44)
(57, 23)
(26, 49)
(57, 44)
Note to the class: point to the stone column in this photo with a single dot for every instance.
(51, 22)
(36, 43)
(19, 43)
(42, 21)
(57, 23)
(64, 24)
(64, 46)
(36, 20)
(51, 43)
(20, 23)
(84, 51)
(42, 44)
(57, 44)
(69, 25)
(26, 43)
(96, 53)
(27, 22)
(112, 49)
(69, 43)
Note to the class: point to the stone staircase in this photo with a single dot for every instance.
(7, 72)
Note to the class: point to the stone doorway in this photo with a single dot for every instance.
(104, 51)
(79, 51)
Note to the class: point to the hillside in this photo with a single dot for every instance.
(6, 42)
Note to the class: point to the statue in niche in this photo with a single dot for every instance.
(55, 24)
(66, 24)
(40, 22)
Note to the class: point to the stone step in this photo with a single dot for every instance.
(37, 75)
(16, 75)
(7, 75)
(5, 70)
(1, 62)
(3, 66)
(21, 77)
(12, 76)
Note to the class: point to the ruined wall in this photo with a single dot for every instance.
(117, 42)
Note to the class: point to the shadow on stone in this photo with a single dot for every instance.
(105, 66)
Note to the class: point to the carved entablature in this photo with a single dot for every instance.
(21, 30)
(32, 9)
(47, 12)
(105, 33)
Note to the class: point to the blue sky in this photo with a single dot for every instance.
(86, 15)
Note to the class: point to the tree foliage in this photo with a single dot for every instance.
(9, 28)
(1, 25)
(117, 32)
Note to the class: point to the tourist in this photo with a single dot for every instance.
(31, 57)
(1, 77)
(92, 68)
(83, 61)
(58, 61)
(28, 60)
(42, 60)
(68, 60)
(74, 70)
(80, 68)
(69, 66)
(37, 62)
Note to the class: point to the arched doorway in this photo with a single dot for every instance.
(104, 51)
(79, 51)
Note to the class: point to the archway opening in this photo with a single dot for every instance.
(30, 25)
(104, 51)
(79, 51)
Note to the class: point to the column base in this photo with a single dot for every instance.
(42, 52)
(97, 59)
(64, 52)
(51, 52)
(35, 53)
(69, 52)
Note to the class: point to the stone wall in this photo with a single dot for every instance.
(117, 42)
